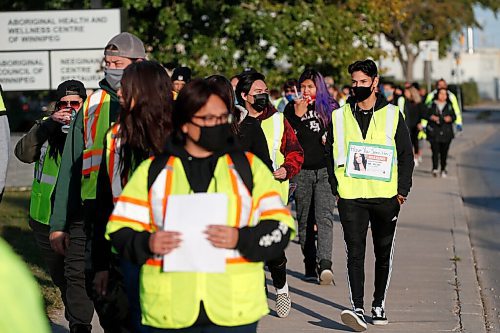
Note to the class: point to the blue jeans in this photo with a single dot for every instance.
(131, 274)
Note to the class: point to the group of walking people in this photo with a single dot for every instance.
(106, 189)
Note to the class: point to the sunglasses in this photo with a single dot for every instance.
(63, 104)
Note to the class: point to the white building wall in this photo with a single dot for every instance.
(482, 66)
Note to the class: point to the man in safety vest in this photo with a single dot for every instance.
(370, 162)
(441, 84)
(4, 143)
(44, 144)
(83, 151)
(286, 155)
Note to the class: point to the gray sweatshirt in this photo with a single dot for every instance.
(4, 146)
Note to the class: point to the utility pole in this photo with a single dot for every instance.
(96, 4)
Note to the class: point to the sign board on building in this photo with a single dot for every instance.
(85, 66)
(429, 50)
(20, 71)
(58, 29)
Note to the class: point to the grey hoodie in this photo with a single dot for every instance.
(4, 146)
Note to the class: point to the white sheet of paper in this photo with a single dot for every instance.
(190, 215)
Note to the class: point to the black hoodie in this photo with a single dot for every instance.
(403, 146)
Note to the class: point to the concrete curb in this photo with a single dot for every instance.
(471, 311)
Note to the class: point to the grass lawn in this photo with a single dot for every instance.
(15, 230)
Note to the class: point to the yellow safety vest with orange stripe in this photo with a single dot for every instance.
(95, 124)
(113, 161)
(171, 300)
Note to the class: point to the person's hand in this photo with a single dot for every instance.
(222, 236)
(101, 282)
(300, 107)
(62, 116)
(435, 118)
(163, 242)
(401, 199)
(459, 128)
(448, 119)
(280, 174)
(337, 199)
(59, 241)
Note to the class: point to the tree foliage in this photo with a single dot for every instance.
(278, 38)
(409, 22)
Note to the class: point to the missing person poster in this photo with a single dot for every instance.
(369, 161)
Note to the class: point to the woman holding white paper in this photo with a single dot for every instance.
(202, 159)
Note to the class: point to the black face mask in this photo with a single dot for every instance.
(215, 138)
(260, 101)
(362, 93)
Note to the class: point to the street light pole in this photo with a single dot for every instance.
(95, 4)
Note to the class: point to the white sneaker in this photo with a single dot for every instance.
(354, 319)
(435, 173)
(416, 162)
(444, 174)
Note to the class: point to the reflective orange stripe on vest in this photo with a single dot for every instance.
(91, 161)
(114, 171)
(92, 158)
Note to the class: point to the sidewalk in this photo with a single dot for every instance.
(433, 286)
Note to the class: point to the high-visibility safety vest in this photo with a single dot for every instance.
(171, 300)
(381, 131)
(401, 105)
(454, 103)
(113, 161)
(22, 306)
(44, 183)
(274, 129)
(95, 125)
(2, 105)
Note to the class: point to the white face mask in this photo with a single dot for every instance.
(113, 77)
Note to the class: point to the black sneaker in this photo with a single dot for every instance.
(325, 272)
(311, 273)
(378, 316)
(354, 319)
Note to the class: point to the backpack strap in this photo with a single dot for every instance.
(242, 165)
(155, 168)
(240, 160)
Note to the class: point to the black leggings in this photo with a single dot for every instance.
(414, 139)
(355, 215)
(439, 150)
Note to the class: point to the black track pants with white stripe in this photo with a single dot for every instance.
(355, 216)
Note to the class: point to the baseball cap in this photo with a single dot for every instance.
(182, 74)
(126, 45)
(71, 87)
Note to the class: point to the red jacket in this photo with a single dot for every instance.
(290, 146)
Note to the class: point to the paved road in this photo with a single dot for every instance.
(479, 172)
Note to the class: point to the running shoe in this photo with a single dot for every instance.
(354, 319)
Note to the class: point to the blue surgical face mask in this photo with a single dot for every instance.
(113, 77)
(289, 97)
(388, 93)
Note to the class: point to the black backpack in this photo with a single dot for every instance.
(239, 158)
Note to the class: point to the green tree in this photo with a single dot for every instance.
(409, 22)
(278, 38)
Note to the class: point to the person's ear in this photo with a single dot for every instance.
(376, 81)
(184, 128)
(244, 96)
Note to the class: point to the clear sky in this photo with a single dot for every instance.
(489, 37)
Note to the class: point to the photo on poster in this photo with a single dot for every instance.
(369, 161)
